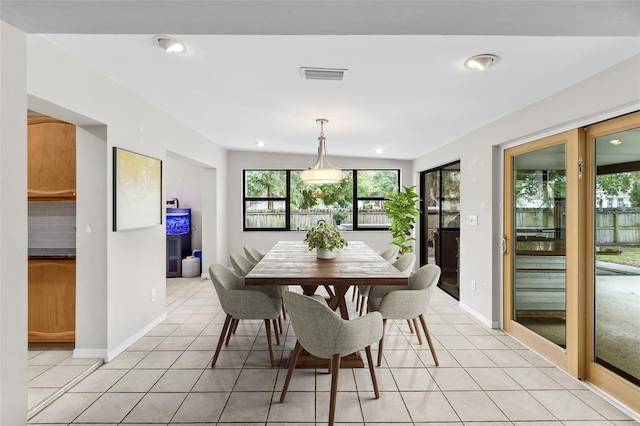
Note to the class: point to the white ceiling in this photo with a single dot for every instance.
(406, 90)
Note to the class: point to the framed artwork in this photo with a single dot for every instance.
(137, 190)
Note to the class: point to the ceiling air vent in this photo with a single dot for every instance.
(322, 73)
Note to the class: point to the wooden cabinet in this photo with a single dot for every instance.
(51, 150)
(52, 300)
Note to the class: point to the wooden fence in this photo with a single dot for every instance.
(613, 226)
(305, 219)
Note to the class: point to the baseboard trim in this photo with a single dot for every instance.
(131, 340)
(478, 316)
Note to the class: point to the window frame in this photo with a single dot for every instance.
(287, 199)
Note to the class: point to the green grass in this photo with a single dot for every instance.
(630, 255)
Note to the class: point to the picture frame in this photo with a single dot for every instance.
(137, 190)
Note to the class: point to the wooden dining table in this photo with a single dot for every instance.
(292, 263)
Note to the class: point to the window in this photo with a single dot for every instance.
(278, 200)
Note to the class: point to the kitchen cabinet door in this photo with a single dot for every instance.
(52, 300)
(51, 150)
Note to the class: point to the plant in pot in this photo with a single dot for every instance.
(402, 212)
(326, 239)
(338, 216)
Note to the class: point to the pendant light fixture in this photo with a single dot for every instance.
(322, 170)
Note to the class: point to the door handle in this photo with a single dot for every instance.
(503, 244)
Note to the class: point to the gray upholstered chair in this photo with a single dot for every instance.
(239, 302)
(404, 264)
(391, 253)
(408, 303)
(253, 254)
(321, 332)
(241, 265)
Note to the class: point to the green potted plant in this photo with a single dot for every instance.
(402, 212)
(338, 216)
(325, 238)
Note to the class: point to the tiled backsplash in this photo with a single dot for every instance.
(52, 224)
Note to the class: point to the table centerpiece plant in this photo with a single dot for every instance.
(326, 239)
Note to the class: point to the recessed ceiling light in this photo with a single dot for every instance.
(379, 151)
(615, 142)
(481, 62)
(260, 143)
(169, 44)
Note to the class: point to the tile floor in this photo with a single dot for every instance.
(51, 373)
(485, 378)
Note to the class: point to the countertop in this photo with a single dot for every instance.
(52, 253)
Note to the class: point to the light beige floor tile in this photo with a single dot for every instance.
(459, 318)
(453, 379)
(534, 358)
(162, 330)
(82, 361)
(193, 360)
(507, 358)
(256, 379)
(146, 343)
(471, 329)
(413, 379)
(175, 343)
(36, 395)
(34, 371)
(520, 406)
(565, 405)
(50, 357)
(65, 409)
(217, 380)
(549, 423)
(57, 376)
(303, 380)
(231, 359)
(587, 423)
(110, 407)
(192, 330)
(245, 407)
(429, 407)
(155, 408)
(443, 329)
(261, 359)
(159, 359)
(563, 378)
(511, 342)
(532, 378)
(455, 342)
(474, 406)
(471, 358)
(445, 359)
(346, 380)
(137, 380)
(347, 407)
(204, 343)
(487, 342)
(177, 381)
(126, 360)
(399, 359)
(493, 379)
(297, 407)
(607, 410)
(388, 408)
(99, 381)
(201, 407)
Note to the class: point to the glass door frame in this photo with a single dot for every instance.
(600, 376)
(570, 359)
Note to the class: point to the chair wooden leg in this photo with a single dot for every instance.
(410, 326)
(280, 324)
(227, 321)
(428, 336)
(232, 327)
(268, 330)
(381, 344)
(354, 294)
(284, 311)
(292, 366)
(335, 372)
(362, 300)
(415, 323)
(372, 370)
(275, 329)
(235, 327)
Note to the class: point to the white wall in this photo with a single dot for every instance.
(613, 92)
(13, 227)
(135, 259)
(183, 181)
(240, 160)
